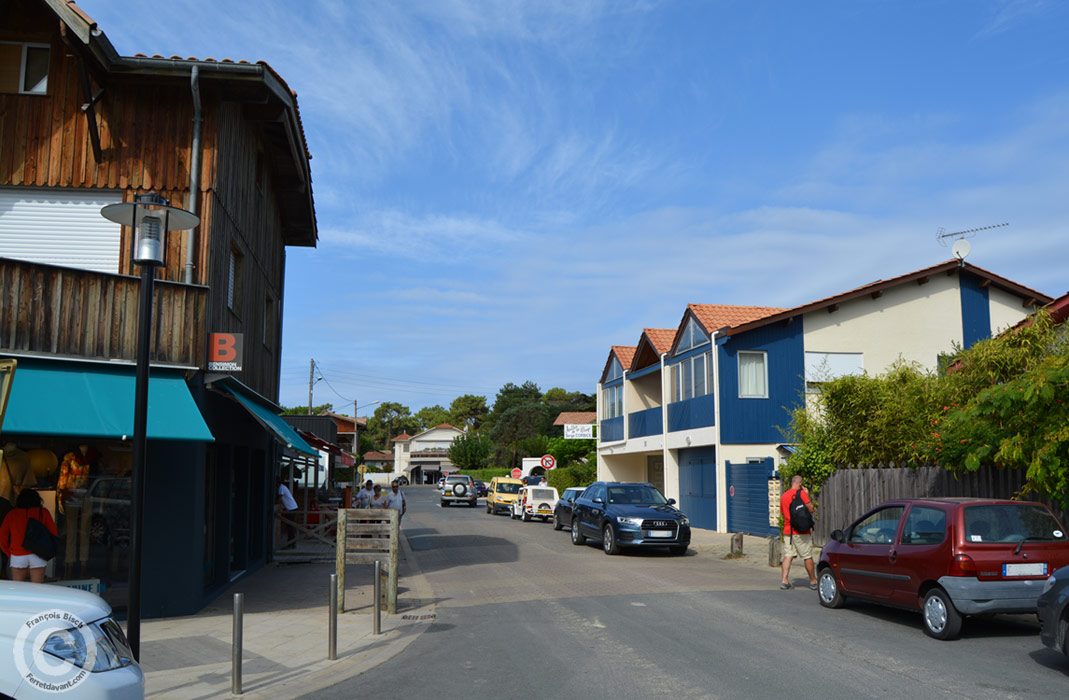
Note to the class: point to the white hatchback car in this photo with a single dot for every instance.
(58, 642)
(535, 502)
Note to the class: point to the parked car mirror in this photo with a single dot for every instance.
(838, 536)
(598, 500)
(671, 501)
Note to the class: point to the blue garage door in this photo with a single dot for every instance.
(697, 486)
(748, 497)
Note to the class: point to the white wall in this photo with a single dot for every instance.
(629, 467)
(911, 321)
(1006, 309)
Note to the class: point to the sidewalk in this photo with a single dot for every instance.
(285, 634)
(285, 631)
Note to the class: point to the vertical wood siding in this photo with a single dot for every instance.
(80, 313)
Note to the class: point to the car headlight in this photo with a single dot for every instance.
(684, 522)
(637, 522)
(100, 646)
(1051, 580)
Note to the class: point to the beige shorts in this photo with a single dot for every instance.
(800, 546)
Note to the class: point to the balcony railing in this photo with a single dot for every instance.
(66, 312)
(612, 429)
(643, 423)
(699, 412)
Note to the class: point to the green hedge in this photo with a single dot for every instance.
(577, 475)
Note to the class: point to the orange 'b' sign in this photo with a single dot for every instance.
(224, 352)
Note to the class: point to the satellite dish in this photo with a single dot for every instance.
(961, 249)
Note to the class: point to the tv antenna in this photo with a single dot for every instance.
(961, 247)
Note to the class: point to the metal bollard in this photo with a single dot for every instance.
(332, 624)
(377, 625)
(235, 670)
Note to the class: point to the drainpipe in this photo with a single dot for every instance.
(665, 396)
(721, 463)
(194, 172)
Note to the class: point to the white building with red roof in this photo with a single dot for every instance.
(425, 457)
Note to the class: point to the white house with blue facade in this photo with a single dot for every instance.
(701, 416)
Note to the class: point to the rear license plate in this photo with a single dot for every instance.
(1024, 569)
(658, 533)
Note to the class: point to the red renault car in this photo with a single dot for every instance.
(946, 557)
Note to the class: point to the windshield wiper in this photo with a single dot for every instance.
(1029, 539)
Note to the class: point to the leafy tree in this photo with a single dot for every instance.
(562, 400)
(470, 451)
(521, 421)
(510, 396)
(468, 412)
(303, 410)
(389, 420)
(430, 416)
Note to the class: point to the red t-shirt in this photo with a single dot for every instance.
(785, 506)
(13, 529)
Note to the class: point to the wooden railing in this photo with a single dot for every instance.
(67, 312)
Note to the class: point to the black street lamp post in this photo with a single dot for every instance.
(150, 216)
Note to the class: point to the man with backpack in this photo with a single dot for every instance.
(797, 512)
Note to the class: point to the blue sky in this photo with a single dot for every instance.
(506, 189)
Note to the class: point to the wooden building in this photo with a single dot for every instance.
(82, 127)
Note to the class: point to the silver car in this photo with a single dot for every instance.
(58, 642)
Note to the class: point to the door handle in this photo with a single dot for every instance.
(893, 555)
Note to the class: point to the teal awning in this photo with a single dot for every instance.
(96, 400)
(265, 414)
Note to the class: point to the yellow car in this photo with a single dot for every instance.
(502, 494)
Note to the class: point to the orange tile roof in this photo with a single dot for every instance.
(624, 353)
(376, 456)
(576, 418)
(402, 437)
(713, 317)
(660, 338)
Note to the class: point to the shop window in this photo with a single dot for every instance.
(24, 68)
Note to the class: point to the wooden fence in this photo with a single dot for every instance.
(848, 493)
(367, 535)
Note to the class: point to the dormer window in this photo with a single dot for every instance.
(692, 337)
(615, 370)
(24, 68)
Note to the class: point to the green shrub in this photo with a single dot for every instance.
(485, 474)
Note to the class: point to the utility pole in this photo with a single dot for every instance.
(356, 433)
(311, 381)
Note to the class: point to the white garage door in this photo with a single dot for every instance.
(60, 227)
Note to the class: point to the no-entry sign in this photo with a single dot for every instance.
(549, 462)
(517, 473)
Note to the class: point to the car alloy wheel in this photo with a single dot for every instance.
(828, 589)
(577, 537)
(608, 540)
(941, 620)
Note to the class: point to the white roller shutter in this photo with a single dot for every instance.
(60, 227)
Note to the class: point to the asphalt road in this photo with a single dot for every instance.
(522, 613)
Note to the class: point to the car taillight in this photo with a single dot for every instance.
(962, 565)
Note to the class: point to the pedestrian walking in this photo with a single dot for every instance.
(363, 496)
(24, 563)
(378, 498)
(287, 504)
(797, 510)
(395, 499)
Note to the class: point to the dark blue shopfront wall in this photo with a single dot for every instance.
(748, 497)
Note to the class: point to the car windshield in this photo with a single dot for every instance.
(636, 494)
(508, 487)
(1010, 522)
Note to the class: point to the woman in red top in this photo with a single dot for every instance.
(13, 531)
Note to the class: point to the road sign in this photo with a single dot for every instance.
(517, 473)
(549, 462)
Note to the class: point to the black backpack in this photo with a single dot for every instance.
(801, 518)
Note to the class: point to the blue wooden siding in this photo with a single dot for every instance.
(975, 310)
(749, 421)
(612, 429)
(697, 486)
(748, 498)
(699, 412)
(643, 423)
